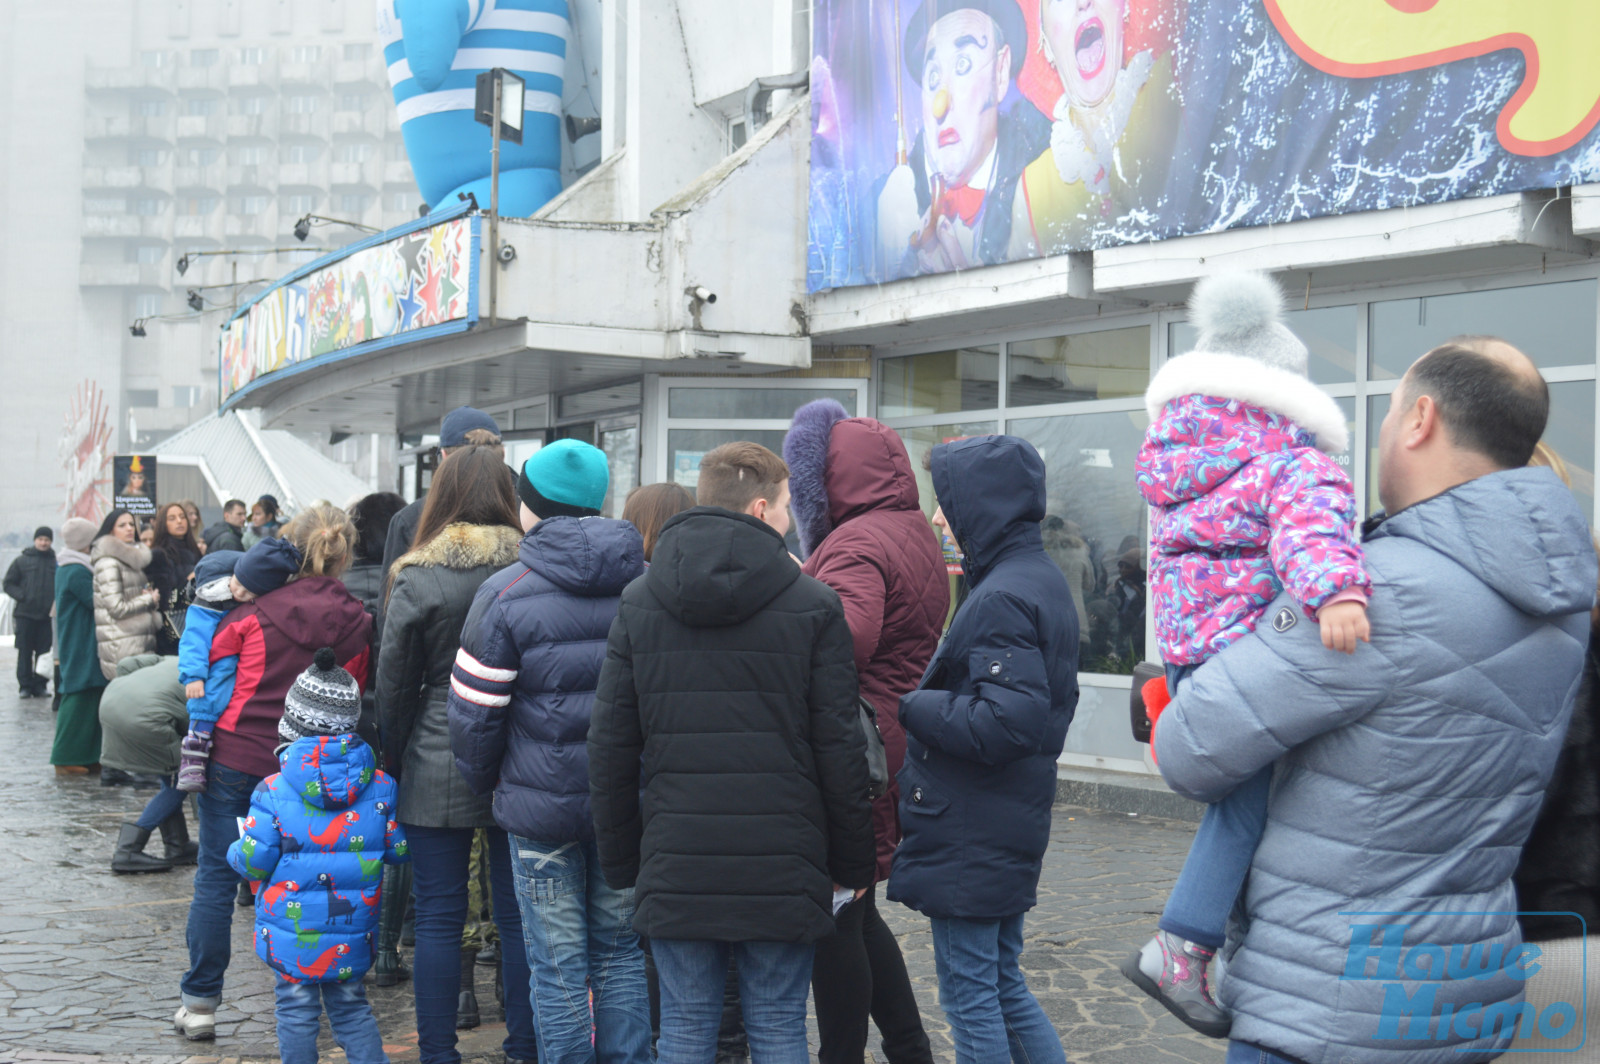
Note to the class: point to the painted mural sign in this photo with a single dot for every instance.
(382, 292)
(948, 134)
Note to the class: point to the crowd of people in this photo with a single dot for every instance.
(656, 769)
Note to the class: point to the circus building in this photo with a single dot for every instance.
(957, 216)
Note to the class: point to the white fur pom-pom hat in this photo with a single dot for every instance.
(1242, 314)
(1245, 352)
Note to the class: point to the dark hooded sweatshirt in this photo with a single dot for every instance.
(276, 638)
(727, 767)
(855, 499)
(988, 722)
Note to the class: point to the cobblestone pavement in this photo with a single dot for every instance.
(90, 962)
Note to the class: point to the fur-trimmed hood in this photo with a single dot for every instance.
(464, 546)
(841, 467)
(133, 555)
(1277, 391)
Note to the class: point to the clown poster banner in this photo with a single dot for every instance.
(948, 134)
(389, 289)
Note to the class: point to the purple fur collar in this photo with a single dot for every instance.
(806, 451)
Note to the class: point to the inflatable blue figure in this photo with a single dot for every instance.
(435, 49)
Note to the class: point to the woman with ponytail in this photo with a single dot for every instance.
(276, 638)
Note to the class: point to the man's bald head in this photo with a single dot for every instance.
(1490, 397)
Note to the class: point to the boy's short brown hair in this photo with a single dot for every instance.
(737, 474)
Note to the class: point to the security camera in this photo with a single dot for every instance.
(507, 254)
(701, 293)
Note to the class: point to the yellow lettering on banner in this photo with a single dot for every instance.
(1557, 103)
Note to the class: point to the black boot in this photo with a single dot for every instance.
(130, 855)
(467, 1006)
(175, 838)
(387, 968)
(244, 899)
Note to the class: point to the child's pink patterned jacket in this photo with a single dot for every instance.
(1245, 504)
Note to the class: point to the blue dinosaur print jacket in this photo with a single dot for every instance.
(315, 842)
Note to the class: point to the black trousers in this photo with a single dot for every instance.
(859, 971)
(33, 639)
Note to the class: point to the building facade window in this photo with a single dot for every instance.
(150, 108)
(155, 58)
(302, 153)
(254, 56)
(306, 53)
(147, 206)
(185, 395)
(352, 101)
(249, 155)
(353, 152)
(197, 205)
(149, 254)
(299, 203)
(357, 51)
(302, 104)
(202, 105)
(104, 205)
(354, 202)
(147, 305)
(145, 397)
(254, 104)
(204, 57)
(398, 201)
(251, 204)
(198, 156)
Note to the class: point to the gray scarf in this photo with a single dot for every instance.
(68, 556)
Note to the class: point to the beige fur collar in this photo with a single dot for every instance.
(133, 555)
(463, 546)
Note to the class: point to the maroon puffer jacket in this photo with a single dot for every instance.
(881, 556)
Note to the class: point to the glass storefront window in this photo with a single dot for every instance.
(939, 382)
(1094, 528)
(685, 448)
(750, 404)
(621, 447)
(1112, 364)
(612, 397)
(1554, 324)
(1329, 333)
(1570, 433)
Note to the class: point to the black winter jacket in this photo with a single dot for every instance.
(727, 766)
(986, 725)
(402, 530)
(429, 599)
(524, 682)
(222, 536)
(1560, 867)
(31, 581)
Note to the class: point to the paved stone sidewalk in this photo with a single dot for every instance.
(89, 961)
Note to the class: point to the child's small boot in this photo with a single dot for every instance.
(1173, 971)
(194, 752)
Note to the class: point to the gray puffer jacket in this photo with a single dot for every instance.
(1407, 776)
(432, 591)
(125, 617)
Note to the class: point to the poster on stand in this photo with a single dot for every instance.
(951, 134)
(133, 478)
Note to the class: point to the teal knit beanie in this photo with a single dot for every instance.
(566, 479)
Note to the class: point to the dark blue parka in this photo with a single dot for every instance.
(524, 679)
(986, 725)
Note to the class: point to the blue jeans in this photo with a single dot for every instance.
(580, 938)
(167, 800)
(1219, 857)
(774, 980)
(210, 930)
(1239, 1053)
(440, 858)
(300, 1008)
(993, 1015)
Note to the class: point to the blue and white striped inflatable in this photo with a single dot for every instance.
(435, 50)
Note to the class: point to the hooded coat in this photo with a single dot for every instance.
(276, 638)
(1245, 503)
(524, 680)
(727, 766)
(125, 617)
(1406, 776)
(861, 523)
(317, 837)
(987, 722)
(143, 716)
(432, 590)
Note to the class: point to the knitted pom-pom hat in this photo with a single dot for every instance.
(323, 701)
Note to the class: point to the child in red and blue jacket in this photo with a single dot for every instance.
(1246, 504)
(315, 842)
